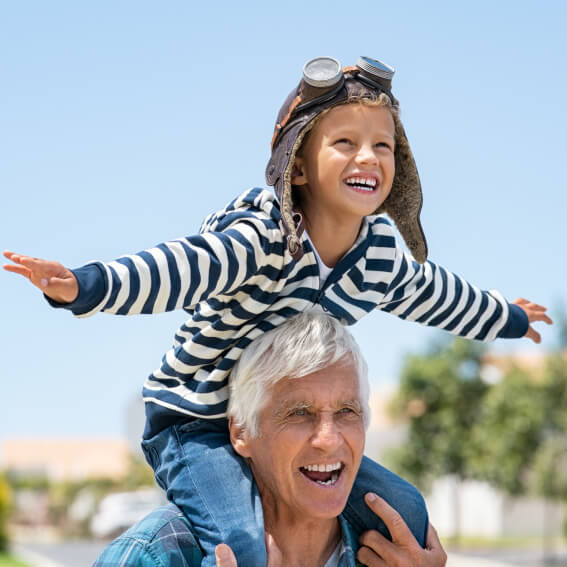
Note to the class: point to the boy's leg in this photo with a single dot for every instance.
(399, 493)
(197, 467)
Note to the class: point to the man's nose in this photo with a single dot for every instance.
(327, 435)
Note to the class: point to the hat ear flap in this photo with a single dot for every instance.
(405, 200)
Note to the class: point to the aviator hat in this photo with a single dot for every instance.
(323, 86)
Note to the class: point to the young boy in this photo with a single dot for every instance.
(339, 156)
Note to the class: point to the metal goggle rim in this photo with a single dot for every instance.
(329, 95)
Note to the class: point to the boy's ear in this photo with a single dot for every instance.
(298, 176)
(239, 439)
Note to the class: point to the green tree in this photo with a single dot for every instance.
(519, 444)
(440, 393)
(5, 502)
(507, 432)
(550, 460)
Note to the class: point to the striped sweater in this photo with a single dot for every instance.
(237, 280)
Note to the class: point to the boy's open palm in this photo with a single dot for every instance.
(535, 313)
(54, 279)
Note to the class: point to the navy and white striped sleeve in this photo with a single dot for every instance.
(173, 275)
(430, 295)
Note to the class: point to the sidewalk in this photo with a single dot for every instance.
(34, 559)
(458, 560)
(454, 560)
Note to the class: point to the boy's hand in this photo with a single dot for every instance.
(403, 550)
(534, 312)
(54, 279)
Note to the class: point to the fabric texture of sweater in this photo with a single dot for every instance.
(237, 280)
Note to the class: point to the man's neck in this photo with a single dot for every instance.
(308, 543)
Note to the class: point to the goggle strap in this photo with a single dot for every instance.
(285, 119)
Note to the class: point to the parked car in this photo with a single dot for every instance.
(120, 510)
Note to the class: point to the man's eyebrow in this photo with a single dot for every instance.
(288, 406)
(352, 404)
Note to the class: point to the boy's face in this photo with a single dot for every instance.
(346, 167)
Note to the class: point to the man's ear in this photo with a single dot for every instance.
(239, 439)
(298, 176)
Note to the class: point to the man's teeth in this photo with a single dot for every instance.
(323, 468)
(364, 183)
(332, 480)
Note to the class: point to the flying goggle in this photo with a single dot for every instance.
(324, 78)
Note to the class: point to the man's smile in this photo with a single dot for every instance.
(323, 474)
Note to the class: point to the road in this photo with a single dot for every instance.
(83, 554)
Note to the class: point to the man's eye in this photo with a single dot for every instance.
(300, 412)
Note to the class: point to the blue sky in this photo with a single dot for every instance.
(122, 124)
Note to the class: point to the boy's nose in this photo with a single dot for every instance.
(366, 155)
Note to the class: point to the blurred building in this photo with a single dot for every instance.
(471, 508)
(65, 459)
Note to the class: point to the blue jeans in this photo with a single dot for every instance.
(196, 465)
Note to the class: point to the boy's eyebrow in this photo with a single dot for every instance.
(347, 129)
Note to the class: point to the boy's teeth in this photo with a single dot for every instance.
(362, 182)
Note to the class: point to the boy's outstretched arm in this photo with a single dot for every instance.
(534, 313)
(54, 279)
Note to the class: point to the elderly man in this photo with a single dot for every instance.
(298, 413)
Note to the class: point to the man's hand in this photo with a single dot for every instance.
(403, 550)
(54, 279)
(225, 557)
(534, 312)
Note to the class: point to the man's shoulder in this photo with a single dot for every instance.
(163, 537)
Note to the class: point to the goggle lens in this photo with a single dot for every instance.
(322, 72)
(375, 68)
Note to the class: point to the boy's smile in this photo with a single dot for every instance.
(346, 167)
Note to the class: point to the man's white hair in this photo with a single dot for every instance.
(304, 344)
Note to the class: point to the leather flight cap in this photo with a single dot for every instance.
(296, 118)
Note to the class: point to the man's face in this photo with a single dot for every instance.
(346, 168)
(311, 443)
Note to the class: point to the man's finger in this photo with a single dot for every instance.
(394, 522)
(275, 557)
(224, 556)
(433, 544)
(376, 543)
(368, 557)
